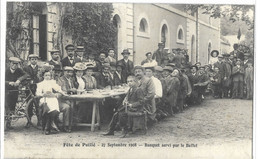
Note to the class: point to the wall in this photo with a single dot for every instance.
(149, 42)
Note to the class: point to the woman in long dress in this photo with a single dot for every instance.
(49, 91)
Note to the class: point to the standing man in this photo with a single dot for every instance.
(13, 77)
(238, 80)
(111, 57)
(220, 66)
(227, 72)
(32, 71)
(80, 54)
(67, 85)
(70, 60)
(55, 59)
(127, 64)
(158, 54)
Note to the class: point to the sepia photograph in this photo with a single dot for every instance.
(107, 80)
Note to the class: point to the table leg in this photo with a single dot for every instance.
(98, 117)
(73, 102)
(93, 115)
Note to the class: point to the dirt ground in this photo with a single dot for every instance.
(218, 128)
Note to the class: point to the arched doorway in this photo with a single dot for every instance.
(192, 50)
(39, 24)
(118, 41)
(164, 35)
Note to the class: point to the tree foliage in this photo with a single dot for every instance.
(233, 12)
(15, 27)
(90, 24)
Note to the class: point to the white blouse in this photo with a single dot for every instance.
(81, 83)
(158, 87)
(48, 86)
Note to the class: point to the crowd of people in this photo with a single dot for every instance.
(163, 84)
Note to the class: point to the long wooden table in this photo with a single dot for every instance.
(95, 97)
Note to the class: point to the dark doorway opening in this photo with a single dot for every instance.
(42, 37)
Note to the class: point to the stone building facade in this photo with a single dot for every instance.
(140, 28)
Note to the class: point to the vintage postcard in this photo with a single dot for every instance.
(127, 80)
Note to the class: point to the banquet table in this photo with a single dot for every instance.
(96, 97)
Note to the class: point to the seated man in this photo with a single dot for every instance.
(67, 85)
(133, 102)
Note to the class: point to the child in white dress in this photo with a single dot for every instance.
(49, 91)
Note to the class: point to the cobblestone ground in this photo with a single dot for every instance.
(218, 128)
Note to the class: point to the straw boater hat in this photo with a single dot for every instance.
(148, 66)
(33, 56)
(14, 59)
(79, 66)
(68, 68)
(106, 65)
(220, 56)
(216, 51)
(158, 68)
(70, 47)
(148, 53)
(138, 67)
(80, 49)
(54, 51)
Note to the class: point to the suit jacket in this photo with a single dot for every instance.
(158, 57)
(238, 73)
(171, 89)
(66, 61)
(111, 61)
(116, 79)
(18, 74)
(135, 97)
(227, 68)
(221, 68)
(56, 65)
(66, 85)
(249, 74)
(127, 69)
(76, 83)
(104, 81)
(146, 84)
(33, 73)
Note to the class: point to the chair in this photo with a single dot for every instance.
(138, 120)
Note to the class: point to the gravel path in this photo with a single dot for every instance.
(218, 128)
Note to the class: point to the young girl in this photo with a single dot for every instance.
(49, 91)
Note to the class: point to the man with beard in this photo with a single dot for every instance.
(70, 60)
(55, 59)
(148, 88)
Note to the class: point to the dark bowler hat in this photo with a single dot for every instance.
(57, 68)
(70, 47)
(54, 51)
(119, 64)
(14, 59)
(216, 51)
(33, 56)
(125, 51)
(168, 68)
(148, 53)
(80, 49)
(171, 64)
(194, 66)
